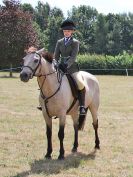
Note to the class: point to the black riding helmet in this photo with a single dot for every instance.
(68, 25)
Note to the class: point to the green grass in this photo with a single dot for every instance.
(23, 139)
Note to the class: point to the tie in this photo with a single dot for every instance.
(66, 40)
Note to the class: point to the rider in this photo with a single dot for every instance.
(67, 49)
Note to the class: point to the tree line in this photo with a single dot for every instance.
(21, 26)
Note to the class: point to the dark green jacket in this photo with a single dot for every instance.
(69, 50)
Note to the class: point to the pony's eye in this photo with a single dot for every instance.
(36, 61)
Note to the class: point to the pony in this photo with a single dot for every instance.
(56, 98)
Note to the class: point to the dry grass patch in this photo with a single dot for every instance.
(23, 139)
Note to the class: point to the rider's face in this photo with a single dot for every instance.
(68, 33)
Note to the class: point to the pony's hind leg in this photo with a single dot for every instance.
(75, 126)
(75, 144)
(97, 142)
(94, 112)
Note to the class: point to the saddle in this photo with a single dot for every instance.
(74, 89)
(73, 85)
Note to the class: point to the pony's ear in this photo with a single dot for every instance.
(40, 51)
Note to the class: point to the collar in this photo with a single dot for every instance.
(67, 38)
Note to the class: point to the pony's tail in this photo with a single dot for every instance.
(81, 123)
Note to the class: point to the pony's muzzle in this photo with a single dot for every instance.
(24, 77)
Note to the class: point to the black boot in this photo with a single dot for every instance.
(81, 95)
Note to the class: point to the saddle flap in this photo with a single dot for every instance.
(73, 85)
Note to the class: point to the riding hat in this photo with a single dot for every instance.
(68, 25)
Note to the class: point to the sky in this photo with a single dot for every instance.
(102, 6)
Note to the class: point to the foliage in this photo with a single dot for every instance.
(27, 8)
(124, 61)
(42, 12)
(103, 34)
(84, 18)
(22, 25)
(16, 33)
(52, 33)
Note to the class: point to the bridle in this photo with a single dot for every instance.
(35, 69)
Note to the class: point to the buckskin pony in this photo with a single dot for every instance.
(56, 98)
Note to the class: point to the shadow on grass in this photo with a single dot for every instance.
(48, 167)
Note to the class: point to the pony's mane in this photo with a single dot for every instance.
(47, 56)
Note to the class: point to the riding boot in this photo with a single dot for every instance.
(81, 96)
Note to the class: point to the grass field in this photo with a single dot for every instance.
(23, 139)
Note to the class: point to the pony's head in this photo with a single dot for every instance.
(32, 63)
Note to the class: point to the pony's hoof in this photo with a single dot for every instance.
(47, 156)
(74, 150)
(61, 157)
(97, 147)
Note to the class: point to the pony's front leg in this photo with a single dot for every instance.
(61, 137)
(49, 141)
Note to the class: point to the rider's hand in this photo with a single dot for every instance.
(63, 67)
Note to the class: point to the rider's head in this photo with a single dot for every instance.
(68, 27)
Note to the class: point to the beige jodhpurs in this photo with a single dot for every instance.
(79, 80)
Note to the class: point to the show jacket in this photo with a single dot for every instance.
(69, 50)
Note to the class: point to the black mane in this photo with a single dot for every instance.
(48, 56)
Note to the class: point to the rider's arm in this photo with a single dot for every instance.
(74, 53)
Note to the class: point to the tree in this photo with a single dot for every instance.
(27, 8)
(53, 32)
(16, 33)
(127, 31)
(101, 31)
(84, 17)
(114, 36)
(42, 13)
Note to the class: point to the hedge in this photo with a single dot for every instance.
(95, 63)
